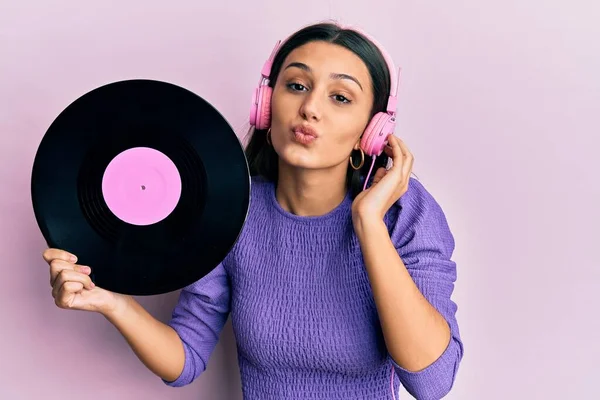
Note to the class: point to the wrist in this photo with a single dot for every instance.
(366, 223)
(116, 308)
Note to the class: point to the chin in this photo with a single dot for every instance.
(308, 160)
(298, 157)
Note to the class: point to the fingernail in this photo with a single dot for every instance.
(92, 285)
(73, 258)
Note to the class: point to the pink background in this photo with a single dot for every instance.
(499, 102)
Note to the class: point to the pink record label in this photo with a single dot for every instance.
(141, 186)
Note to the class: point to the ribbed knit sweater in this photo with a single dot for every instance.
(302, 308)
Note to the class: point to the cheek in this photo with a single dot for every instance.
(349, 129)
(282, 104)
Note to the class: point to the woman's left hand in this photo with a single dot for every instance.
(388, 185)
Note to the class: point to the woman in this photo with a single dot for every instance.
(339, 285)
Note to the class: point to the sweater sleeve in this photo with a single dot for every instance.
(198, 318)
(425, 244)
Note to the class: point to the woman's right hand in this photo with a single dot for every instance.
(72, 287)
(155, 343)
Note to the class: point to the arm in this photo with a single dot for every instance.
(416, 333)
(178, 352)
(156, 344)
(412, 292)
(198, 319)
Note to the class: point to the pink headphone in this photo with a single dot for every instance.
(377, 131)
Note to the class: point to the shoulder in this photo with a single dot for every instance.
(259, 187)
(261, 191)
(258, 210)
(417, 200)
(417, 215)
(414, 203)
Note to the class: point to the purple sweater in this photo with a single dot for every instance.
(302, 308)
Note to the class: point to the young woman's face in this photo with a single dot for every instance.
(320, 106)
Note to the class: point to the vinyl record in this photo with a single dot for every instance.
(145, 182)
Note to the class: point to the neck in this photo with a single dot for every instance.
(306, 192)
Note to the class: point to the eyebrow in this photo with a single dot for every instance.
(306, 68)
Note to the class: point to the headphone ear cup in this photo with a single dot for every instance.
(375, 136)
(263, 110)
(254, 106)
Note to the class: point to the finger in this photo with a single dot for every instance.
(67, 288)
(388, 150)
(379, 174)
(409, 158)
(396, 154)
(393, 180)
(64, 297)
(403, 148)
(58, 254)
(66, 276)
(56, 266)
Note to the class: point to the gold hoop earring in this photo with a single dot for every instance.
(269, 136)
(362, 160)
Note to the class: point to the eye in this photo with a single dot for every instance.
(296, 87)
(341, 99)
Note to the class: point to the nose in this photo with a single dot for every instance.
(311, 109)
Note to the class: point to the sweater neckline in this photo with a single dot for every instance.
(343, 208)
